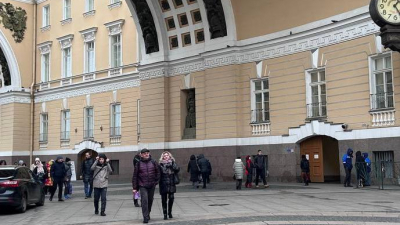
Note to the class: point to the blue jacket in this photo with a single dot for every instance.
(368, 161)
(347, 159)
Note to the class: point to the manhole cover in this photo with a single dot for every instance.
(218, 204)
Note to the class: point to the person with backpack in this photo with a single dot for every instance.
(101, 169)
(67, 180)
(168, 179)
(305, 169)
(145, 179)
(136, 159)
(347, 161)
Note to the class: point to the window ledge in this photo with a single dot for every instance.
(43, 144)
(89, 13)
(381, 110)
(319, 118)
(44, 85)
(46, 28)
(115, 5)
(66, 21)
(65, 143)
(260, 122)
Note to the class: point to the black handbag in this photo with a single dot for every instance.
(176, 178)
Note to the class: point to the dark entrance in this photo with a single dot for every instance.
(323, 154)
(81, 158)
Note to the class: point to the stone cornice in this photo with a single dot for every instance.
(95, 86)
(89, 34)
(45, 47)
(115, 27)
(311, 36)
(66, 41)
(15, 97)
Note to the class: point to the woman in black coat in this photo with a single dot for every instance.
(169, 170)
(194, 170)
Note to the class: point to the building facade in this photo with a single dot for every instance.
(222, 78)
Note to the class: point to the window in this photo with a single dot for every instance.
(89, 57)
(114, 166)
(381, 82)
(88, 123)
(114, 1)
(46, 16)
(115, 127)
(67, 9)
(316, 94)
(89, 5)
(384, 160)
(67, 70)
(45, 67)
(116, 53)
(65, 125)
(260, 101)
(44, 126)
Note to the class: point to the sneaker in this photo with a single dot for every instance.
(266, 186)
(61, 200)
(257, 186)
(86, 197)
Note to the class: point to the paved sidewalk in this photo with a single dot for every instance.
(221, 204)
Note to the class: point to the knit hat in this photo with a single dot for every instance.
(59, 157)
(101, 155)
(37, 159)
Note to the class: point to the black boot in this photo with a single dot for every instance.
(170, 203)
(165, 214)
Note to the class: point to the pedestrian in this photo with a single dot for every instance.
(249, 172)
(40, 171)
(168, 179)
(259, 164)
(209, 172)
(361, 169)
(67, 180)
(136, 159)
(348, 166)
(48, 183)
(368, 174)
(145, 178)
(204, 169)
(194, 171)
(58, 174)
(87, 175)
(21, 162)
(305, 169)
(238, 168)
(3, 162)
(101, 169)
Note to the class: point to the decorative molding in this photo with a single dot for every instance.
(115, 5)
(40, 1)
(66, 21)
(66, 41)
(115, 27)
(89, 13)
(89, 34)
(311, 36)
(46, 28)
(15, 97)
(383, 118)
(45, 47)
(86, 88)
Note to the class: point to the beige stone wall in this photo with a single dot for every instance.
(79, 22)
(269, 16)
(23, 51)
(101, 104)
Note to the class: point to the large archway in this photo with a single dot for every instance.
(323, 155)
(81, 157)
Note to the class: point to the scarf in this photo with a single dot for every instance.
(169, 169)
(40, 168)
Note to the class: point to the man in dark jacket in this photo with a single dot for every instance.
(305, 169)
(58, 173)
(67, 181)
(87, 175)
(146, 176)
(136, 159)
(204, 166)
(347, 160)
(259, 164)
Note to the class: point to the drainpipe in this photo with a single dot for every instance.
(32, 92)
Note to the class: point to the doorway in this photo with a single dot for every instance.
(81, 158)
(323, 155)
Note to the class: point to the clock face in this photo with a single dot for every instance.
(389, 10)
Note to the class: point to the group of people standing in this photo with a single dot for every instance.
(200, 170)
(259, 166)
(363, 168)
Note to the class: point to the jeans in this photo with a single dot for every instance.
(67, 185)
(260, 173)
(97, 193)
(88, 188)
(347, 180)
(147, 197)
(60, 184)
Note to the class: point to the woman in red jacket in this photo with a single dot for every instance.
(249, 172)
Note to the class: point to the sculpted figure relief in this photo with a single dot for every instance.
(13, 19)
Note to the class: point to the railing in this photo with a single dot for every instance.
(88, 134)
(383, 118)
(115, 131)
(65, 135)
(260, 128)
(316, 110)
(115, 71)
(43, 137)
(381, 100)
(385, 173)
(259, 116)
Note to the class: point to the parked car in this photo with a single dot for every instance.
(19, 188)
